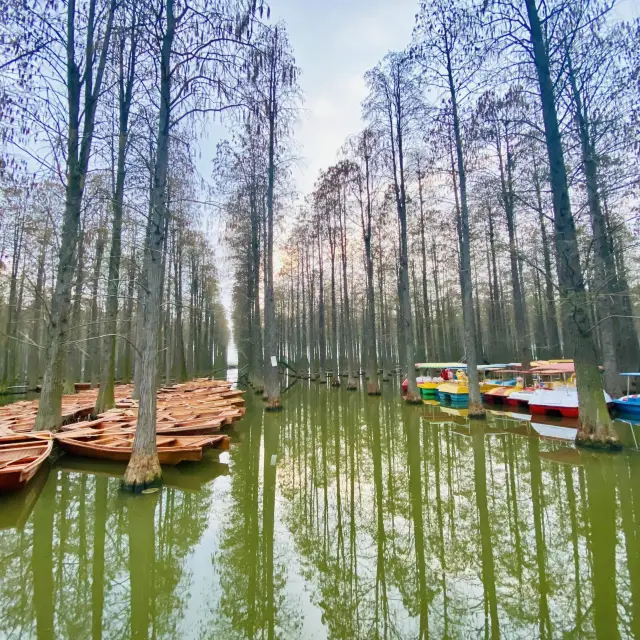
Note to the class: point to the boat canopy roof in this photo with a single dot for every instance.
(559, 367)
(441, 365)
(631, 374)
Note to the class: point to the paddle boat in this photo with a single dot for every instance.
(430, 376)
(629, 404)
(455, 392)
(562, 400)
(511, 381)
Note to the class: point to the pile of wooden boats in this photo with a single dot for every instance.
(188, 421)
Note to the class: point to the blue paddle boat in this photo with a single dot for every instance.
(629, 404)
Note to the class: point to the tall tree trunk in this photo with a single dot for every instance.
(272, 378)
(475, 400)
(143, 469)
(523, 339)
(595, 424)
(553, 338)
(92, 366)
(78, 153)
(604, 265)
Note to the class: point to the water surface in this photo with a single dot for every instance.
(341, 517)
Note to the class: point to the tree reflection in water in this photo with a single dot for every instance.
(342, 517)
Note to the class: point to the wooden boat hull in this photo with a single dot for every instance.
(20, 458)
(117, 446)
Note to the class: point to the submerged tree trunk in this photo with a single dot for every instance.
(595, 424)
(143, 470)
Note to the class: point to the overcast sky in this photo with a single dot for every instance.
(335, 42)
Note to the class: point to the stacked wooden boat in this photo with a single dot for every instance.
(189, 419)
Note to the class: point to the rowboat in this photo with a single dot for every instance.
(20, 458)
(117, 446)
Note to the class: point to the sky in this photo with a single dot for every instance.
(335, 42)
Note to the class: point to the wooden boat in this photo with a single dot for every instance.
(116, 446)
(20, 458)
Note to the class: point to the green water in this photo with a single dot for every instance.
(341, 517)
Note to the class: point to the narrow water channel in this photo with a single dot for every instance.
(341, 517)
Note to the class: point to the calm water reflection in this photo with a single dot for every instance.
(342, 517)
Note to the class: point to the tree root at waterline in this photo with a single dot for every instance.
(273, 405)
(412, 398)
(143, 472)
(603, 438)
(373, 389)
(476, 410)
(352, 385)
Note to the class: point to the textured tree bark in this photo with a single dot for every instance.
(143, 470)
(595, 424)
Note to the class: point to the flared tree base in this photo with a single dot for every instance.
(412, 398)
(143, 473)
(385, 379)
(373, 389)
(273, 405)
(335, 382)
(352, 385)
(258, 389)
(476, 411)
(600, 442)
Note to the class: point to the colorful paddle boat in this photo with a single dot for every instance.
(629, 404)
(430, 376)
(455, 392)
(510, 381)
